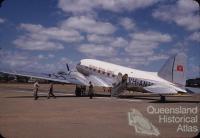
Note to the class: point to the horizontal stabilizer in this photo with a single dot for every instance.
(160, 89)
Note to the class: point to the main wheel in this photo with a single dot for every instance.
(78, 91)
(162, 99)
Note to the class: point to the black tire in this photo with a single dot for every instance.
(78, 92)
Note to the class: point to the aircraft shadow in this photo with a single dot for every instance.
(150, 98)
(174, 101)
(1, 136)
(67, 96)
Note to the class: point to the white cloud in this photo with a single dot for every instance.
(157, 57)
(57, 33)
(102, 45)
(27, 43)
(89, 25)
(119, 42)
(93, 38)
(151, 36)
(15, 59)
(139, 48)
(37, 37)
(107, 40)
(51, 56)
(22, 61)
(2, 20)
(127, 23)
(93, 50)
(82, 6)
(132, 62)
(194, 68)
(41, 56)
(195, 36)
(142, 46)
(183, 13)
(144, 43)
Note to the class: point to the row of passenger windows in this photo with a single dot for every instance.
(100, 71)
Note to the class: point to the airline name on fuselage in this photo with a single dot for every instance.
(131, 80)
(138, 82)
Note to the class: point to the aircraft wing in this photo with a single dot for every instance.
(100, 81)
(72, 78)
(163, 89)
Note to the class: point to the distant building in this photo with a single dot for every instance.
(193, 82)
(21, 79)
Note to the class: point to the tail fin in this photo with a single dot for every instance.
(174, 70)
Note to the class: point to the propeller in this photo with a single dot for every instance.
(67, 67)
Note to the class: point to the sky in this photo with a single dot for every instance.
(44, 35)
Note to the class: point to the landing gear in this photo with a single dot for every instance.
(78, 91)
(162, 99)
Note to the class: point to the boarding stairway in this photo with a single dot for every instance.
(119, 87)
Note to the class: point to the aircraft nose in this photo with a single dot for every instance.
(81, 69)
(78, 67)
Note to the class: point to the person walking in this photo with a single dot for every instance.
(91, 90)
(51, 91)
(35, 89)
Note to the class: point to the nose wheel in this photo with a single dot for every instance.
(162, 99)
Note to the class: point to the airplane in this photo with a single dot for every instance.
(170, 79)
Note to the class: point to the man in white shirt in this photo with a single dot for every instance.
(35, 90)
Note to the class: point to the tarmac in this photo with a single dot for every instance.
(130, 116)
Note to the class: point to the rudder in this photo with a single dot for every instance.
(174, 70)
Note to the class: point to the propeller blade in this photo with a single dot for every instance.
(67, 67)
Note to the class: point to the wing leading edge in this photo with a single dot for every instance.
(72, 78)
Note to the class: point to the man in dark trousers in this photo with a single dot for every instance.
(35, 89)
(51, 91)
(91, 90)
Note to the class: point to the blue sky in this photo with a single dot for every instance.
(44, 35)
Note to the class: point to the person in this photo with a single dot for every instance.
(51, 91)
(91, 90)
(124, 80)
(118, 79)
(36, 87)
